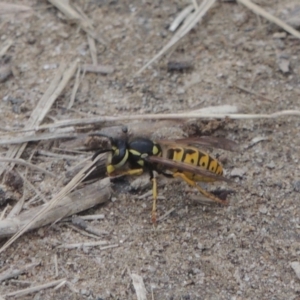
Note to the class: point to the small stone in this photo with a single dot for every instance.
(180, 91)
(238, 172)
(271, 165)
(296, 267)
(263, 209)
(296, 185)
(49, 66)
(284, 65)
(279, 35)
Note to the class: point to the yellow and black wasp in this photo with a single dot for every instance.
(177, 158)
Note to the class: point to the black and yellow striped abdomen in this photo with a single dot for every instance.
(193, 156)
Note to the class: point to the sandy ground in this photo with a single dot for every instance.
(243, 251)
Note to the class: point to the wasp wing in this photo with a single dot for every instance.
(204, 141)
(184, 167)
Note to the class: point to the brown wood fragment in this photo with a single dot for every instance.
(93, 194)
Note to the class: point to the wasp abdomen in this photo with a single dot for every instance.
(193, 156)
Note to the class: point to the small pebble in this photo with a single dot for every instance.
(263, 209)
(238, 172)
(296, 185)
(296, 267)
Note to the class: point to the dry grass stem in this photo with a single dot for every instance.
(82, 224)
(33, 138)
(22, 162)
(165, 215)
(75, 88)
(7, 8)
(93, 217)
(34, 289)
(258, 10)
(181, 17)
(16, 271)
(186, 115)
(73, 15)
(5, 46)
(187, 26)
(82, 245)
(60, 285)
(3, 212)
(56, 155)
(109, 246)
(82, 232)
(55, 265)
(38, 114)
(253, 93)
(93, 50)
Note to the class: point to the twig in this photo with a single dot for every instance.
(93, 194)
(252, 92)
(110, 246)
(139, 286)
(258, 10)
(37, 288)
(188, 25)
(79, 222)
(164, 216)
(73, 227)
(16, 271)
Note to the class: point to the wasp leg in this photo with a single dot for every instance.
(130, 172)
(202, 191)
(154, 208)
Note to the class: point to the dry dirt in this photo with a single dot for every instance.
(243, 251)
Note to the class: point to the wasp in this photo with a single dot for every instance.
(178, 158)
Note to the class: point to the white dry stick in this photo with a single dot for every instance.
(139, 286)
(82, 245)
(258, 10)
(34, 289)
(52, 205)
(186, 115)
(16, 271)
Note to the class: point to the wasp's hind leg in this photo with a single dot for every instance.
(130, 172)
(202, 191)
(154, 192)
